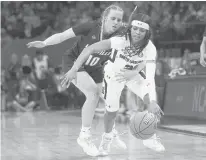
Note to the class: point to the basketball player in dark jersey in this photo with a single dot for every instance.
(203, 50)
(90, 76)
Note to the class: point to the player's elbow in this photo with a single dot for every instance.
(88, 51)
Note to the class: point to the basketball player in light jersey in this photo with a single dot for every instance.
(203, 50)
(132, 51)
(90, 76)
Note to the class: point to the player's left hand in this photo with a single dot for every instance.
(125, 75)
(68, 77)
(154, 108)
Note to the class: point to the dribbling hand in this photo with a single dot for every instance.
(154, 108)
(68, 77)
(36, 44)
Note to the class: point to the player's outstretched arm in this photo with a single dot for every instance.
(72, 73)
(203, 52)
(94, 48)
(54, 39)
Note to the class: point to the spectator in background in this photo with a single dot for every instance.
(25, 99)
(201, 13)
(178, 26)
(59, 97)
(13, 76)
(3, 89)
(6, 39)
(26, 61)
(42, 67)
(58, 73)
(203, 50)
(43, 74)
(32, 19)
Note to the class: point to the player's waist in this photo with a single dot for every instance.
(111, 72)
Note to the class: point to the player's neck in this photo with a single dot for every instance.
(136, 44)
(106, 34)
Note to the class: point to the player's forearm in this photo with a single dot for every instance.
(202, 49)
(59, 37)
(150, 76)
(140, 67)
(82, 58)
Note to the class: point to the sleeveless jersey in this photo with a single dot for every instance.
(90, 34)
(122, 59)
(41, 66)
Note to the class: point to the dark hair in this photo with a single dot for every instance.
(57, 70)
(143, 18)
(39, 52)
(26, 70)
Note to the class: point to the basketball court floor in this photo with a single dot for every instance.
(51, 135)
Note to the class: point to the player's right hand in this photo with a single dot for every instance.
(68, 77)
(202, 62)
(154, 108)
(37, 44)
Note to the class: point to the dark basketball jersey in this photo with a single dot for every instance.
(90, 34)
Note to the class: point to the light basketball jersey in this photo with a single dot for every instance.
(121, 59)
(41, 66)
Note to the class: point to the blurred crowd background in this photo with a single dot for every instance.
(177, 32)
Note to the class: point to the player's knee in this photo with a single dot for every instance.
(112, 109)
(93, 92)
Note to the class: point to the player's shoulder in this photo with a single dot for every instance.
(151, 46)
(95, 23)
(84, 28)
(92, 24)
(119, 39)
(150, 50)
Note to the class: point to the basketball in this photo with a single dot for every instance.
(142, 125)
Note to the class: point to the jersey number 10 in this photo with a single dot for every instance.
(92, 61)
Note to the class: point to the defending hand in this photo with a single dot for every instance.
(68, 77)
(37, 44)
(154, 108)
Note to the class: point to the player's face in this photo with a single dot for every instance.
(113, 21)
(138, 34)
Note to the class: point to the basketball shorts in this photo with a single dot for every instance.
(112, 91)
(96, 72)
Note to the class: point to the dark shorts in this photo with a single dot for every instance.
(96, 72)
(42, 83)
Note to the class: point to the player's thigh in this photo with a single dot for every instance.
(86, 84)
(96, 73)
(112, 91)
(139, 89)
